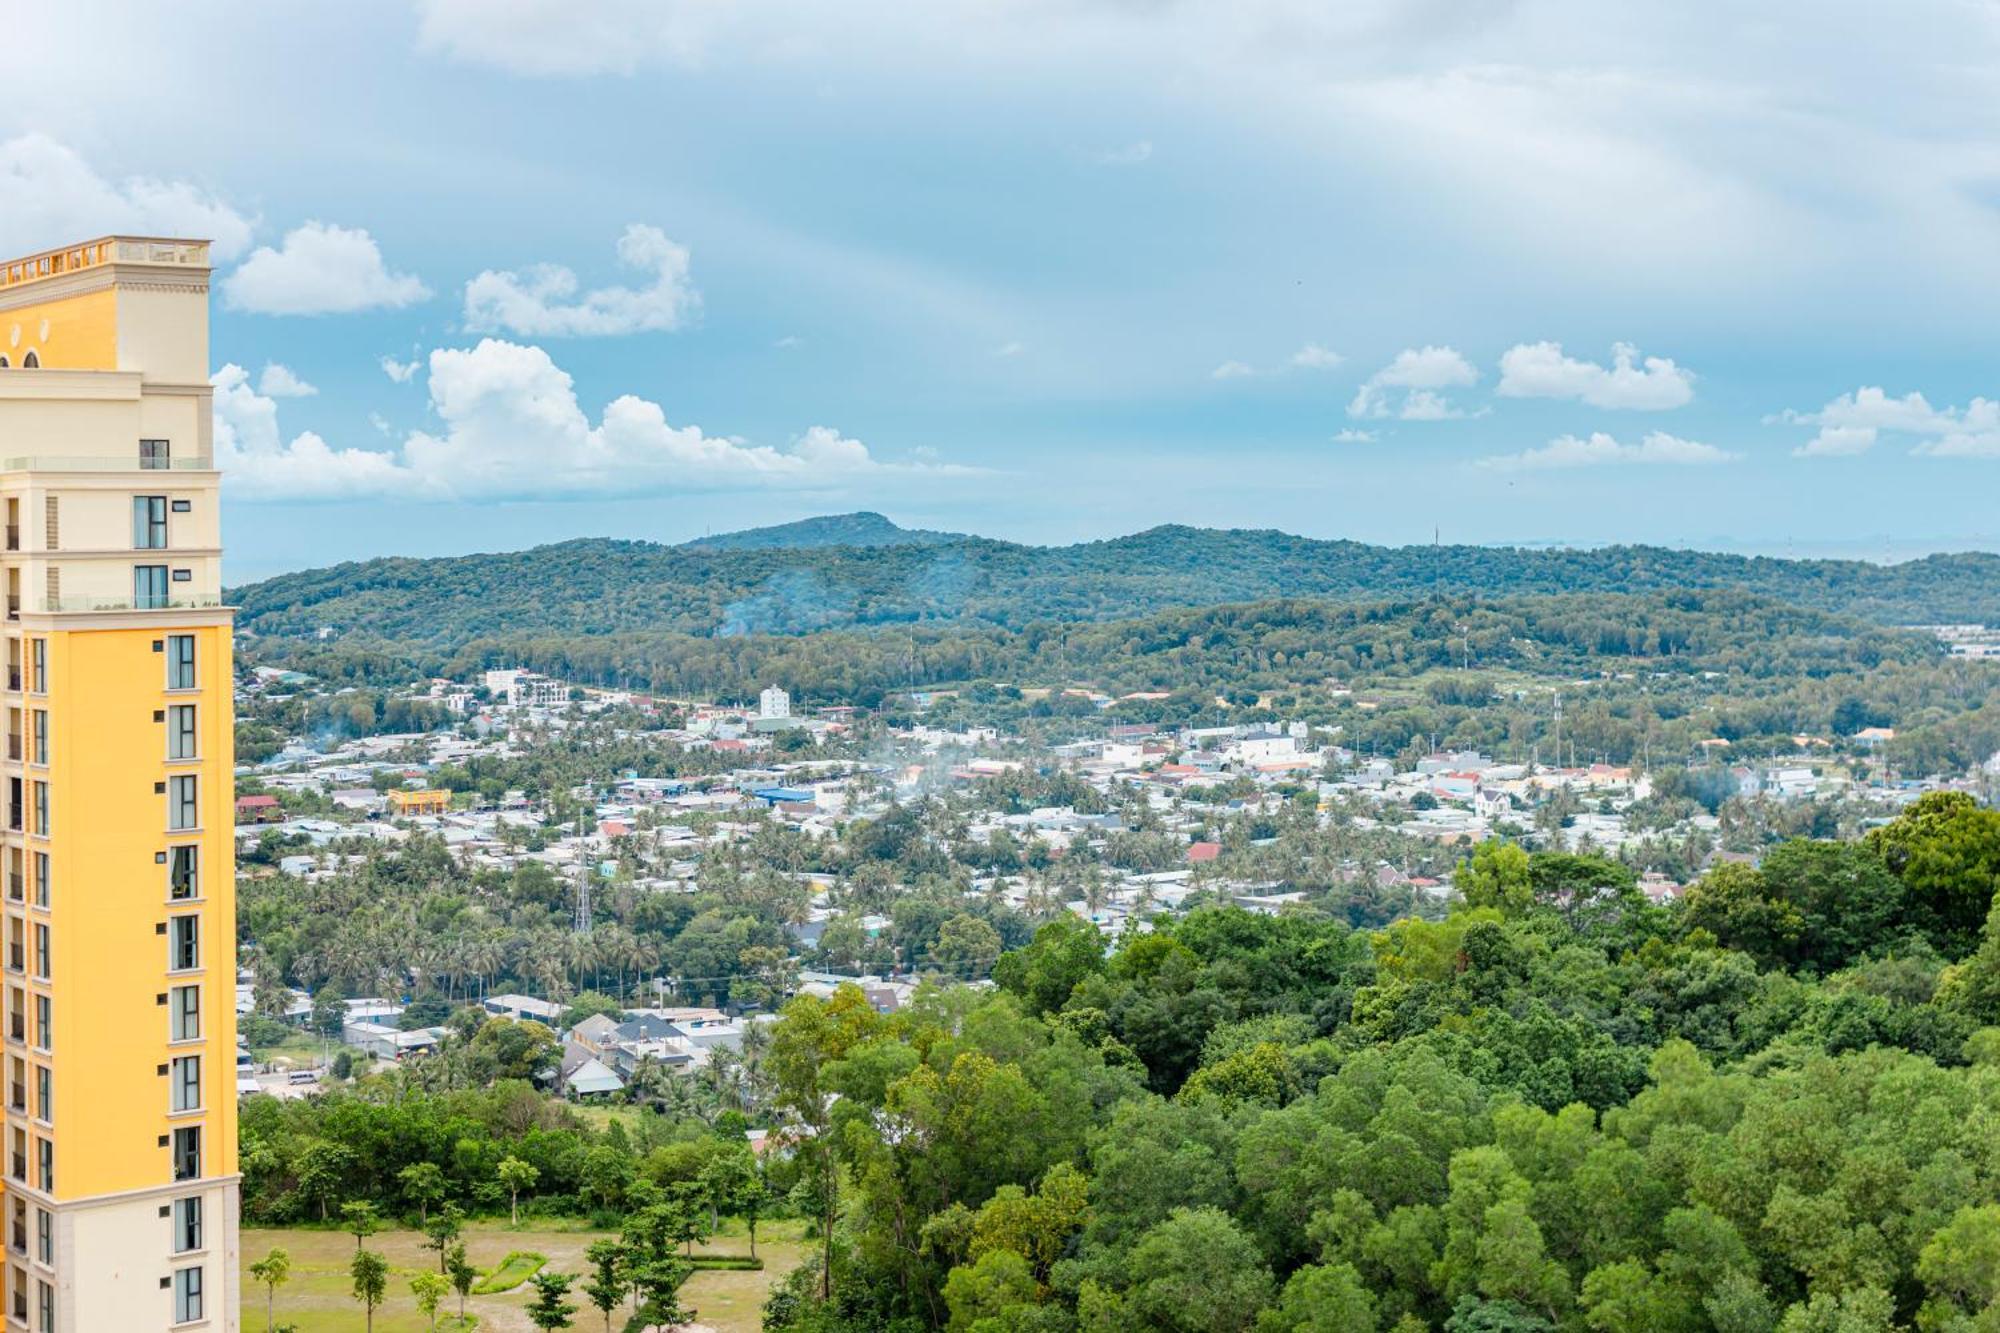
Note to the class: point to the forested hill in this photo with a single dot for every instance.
(859, 529)
(599, 586)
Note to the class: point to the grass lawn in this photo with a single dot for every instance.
(599, 1116)
(301, 1048)
(317, 1299)
(515, 1269)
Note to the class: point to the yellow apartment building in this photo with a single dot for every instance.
(118, 1184)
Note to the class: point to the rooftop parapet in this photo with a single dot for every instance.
(157, 251)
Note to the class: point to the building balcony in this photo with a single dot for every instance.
(179, 602)
(102, 463)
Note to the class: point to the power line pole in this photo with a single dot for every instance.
(1559, 728)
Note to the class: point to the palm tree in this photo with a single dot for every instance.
(646, 958)
(579, 955)
(1094, 888)
(551, 962)
(756, 1044)
(488, 955)
(649, 1081)
(723, 1077)
(1044, 899)
(1142, 906)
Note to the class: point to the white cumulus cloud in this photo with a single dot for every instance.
(1354, 435)
(1962, 444)
(542, 301)
(1838, 442)
(1314, 357)
(1855, 422)
(1871, 407)
(1541, 370)
(259, 463)
(1427, 405)
(280, 381)
(50, 196)
(320, 269)
(1657, 449)
(400, 371)
(1410, 386)
(512, 429)
(1232, 370)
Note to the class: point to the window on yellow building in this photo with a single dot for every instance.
(180, 662)
(187, 1153)
(186, 1010)
(182, 812)
(184, 943)
(180, 732)
(186, 1080)
(183, 871)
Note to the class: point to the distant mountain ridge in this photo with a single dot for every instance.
(597, 586)
(864, 528)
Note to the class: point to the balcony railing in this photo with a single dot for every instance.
(106, 463)
(106, 250)
(181, 602)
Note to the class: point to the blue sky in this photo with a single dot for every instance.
(1059, 269)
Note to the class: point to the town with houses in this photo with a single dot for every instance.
(815, 771)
